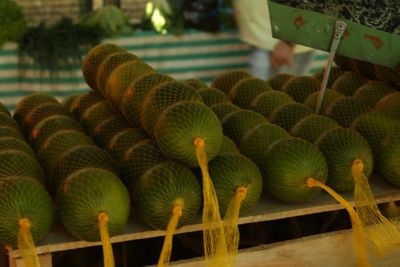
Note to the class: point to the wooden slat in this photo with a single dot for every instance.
(267, 209)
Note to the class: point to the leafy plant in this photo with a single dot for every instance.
(12, 21)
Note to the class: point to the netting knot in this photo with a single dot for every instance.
(177, 210)
(199, 142)
(103, 217)
(25, 223)
(358, 167)
(311, 182)
(241, 192)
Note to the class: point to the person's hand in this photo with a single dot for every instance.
(282, 54)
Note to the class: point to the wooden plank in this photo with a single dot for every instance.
(267, 209)
(328, 250)
(45, 260)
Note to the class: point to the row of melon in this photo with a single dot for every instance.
(81, 176)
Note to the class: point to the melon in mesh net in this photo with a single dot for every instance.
(388, 158)
(19, 163)
(49, 125)
(266, 103)
(134, 96)
(311, 127)
(301, 87)
(227, 80)
(212, 97)
(341, 148)
(41, 112)
(329, 97)
(85, 101)
(346, 110)
(277, 81)
(93, 60)
(4, 109)
(334, 74)
(289, 114)
(372, 92)
(138, 159)
(238, 123)
(163, 187)
(7, 121)
(374, 127)
(123, 140)
(106, 129)
(84, 195)
(366, 69)
(287, 165)
(223, 109)
(108, 65)
(349, 82)
(69, 100)
(195, 83)
(95, 114)
(121, 77)
(21, 197)
(7, 131)
(256, 141)
(391, 75)
(29, 102)
(230, 171)
(160, 98)
(178, 127)
(76, 158)
(228, 146)
(244, 91)
(7, 143)
(390, 105)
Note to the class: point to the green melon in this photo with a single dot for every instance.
(301, 87)
(329, 97)
(93, 60)
(68, 101)
(95, 114)
(227, 80)
(87, 193)
(334, 74)
(7, 121)
(160, 98)
(256, 141)
(238, 123)
(374, 127)
(196, 83)
(57, 143)
(348, 83)
(266, 103)
(161, 188)
(178, 127)
(277, 81)
(287, 165)
(19, 163)
(123, 140)
(108, 65)
(228, 146)
(50, 125)
(121, 77)
(139, 158)
(390, 105)
(231, 171)
(85, 101)
(289, 114)
(388, 158)
(23, 198)
(29, 102)
(341, 147)
(246, 90)
(346, 110)
(106, 129)
(212, 97)
(311, 127)
(343, 62)
(391, 75)
(365, 68)
(7, 131)
(76, 158)
(223, 109)
(4, 109)
(40, 113)
(372, 92)
(7, 143)
(137, 91)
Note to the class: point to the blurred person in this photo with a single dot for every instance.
(268, 55)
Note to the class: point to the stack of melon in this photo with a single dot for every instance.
(92, 201)
(26, 209)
